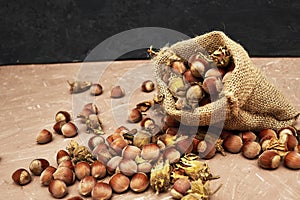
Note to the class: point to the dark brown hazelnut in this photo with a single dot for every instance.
(44, 136)
(62, 116)
(117, 92)
(269, 159)
(21, 177)
(96, 89)
(251, 149)
(37, 166)
(58, 189)
(135, 116)
(148, 86)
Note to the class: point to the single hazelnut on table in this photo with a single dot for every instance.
(37, 166)
(117, 92)
(119, 182)
(58, 189)
(21, 177)
(180, 188)
(86, 185)
(64, 174)
(96, 89)
(82, 169)
(139, 182)
(69, 129)
(101, 191)
(292, 160)
(251, 149)
(206, 150)
(62, 116)
(128, 167)
(269, 159)
(147, 86)
(44, 136)
(98, 170)
(61, 156)
(135, 116)
(233, 143)
(47, 175)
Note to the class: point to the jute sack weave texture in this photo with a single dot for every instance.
(248, 100)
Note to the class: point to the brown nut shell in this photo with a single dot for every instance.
(47, 175)
(148, 86)
(139, 182)
(292, 160)
(98, 170)
(82, 169)
(269, 159)
(69, 130)
(64, 174)
(135, 116)
(117, 92)
(102, 191)
(251, 149)
(128, 167)
(62, 116)
(86, 185)
(44, 137)
(61, 156)
(58, 189)
(37, 166)
(21, 177)
(233, 143)
(119, 182)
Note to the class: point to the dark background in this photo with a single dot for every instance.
(50, 31)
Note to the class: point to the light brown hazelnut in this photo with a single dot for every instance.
(267, 132)
(216, 72)
(44, 136)
(37, 166)
(128, 167)
(169, 121)
(248, 136)
(57, 127)
(119, 182)
(101, 191)
(251, 149)
(135, 116)
(286, 130)
(86, 185)
(206, 150)
(233, 143)
(131, 152)
(144, 167)
(47, 175)
(180, 188)
(117, 92)
(62, 116)
(178, 67)
(148, 86)
(118, 145)
(150, 151)
(139, 182)
(113, 164)
(92, 107)
(146, 122)
(58, 189)
(292, 160)
(212, 85)
(64, 174)
(61, 156)
(172, 155)
(269, 159)
(103, 155)
(67, 163)
(194, 93)
(82, 169)
(21, 177)
(69, 130)
(95, 141)
(98, 170)
(197, 65)
(96, 89)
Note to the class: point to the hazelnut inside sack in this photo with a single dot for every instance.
(246, 100)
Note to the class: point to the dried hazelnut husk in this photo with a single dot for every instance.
(86, 185)
(139, 182)
(47, 175)
(98, 170)
(37, 166)
(221, 57)
(96, 89)
(171, 154)
(69, 129)
(248, 136)
(21, 177)
(58, 189)
(131, 152)
(141, 138)
(233, 143)
(119, 182)
(117, 92)
(269, 159)
(44, 136)
(102, 190)
(112, 164)
(61, 156)
(95, 141)
(82, 169)
(148, 86)
(64, 174)
(150, 151)
(292, 160)
(128, 167)
(178, 67)
(180, 188)
(251, 149)
(62, 116)
(135, 116)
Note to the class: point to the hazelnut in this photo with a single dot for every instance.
(57, 127)
(206, 150)
(96, 89)
(44, 136)
(139, 182)
(47, 175)
(212, 85)
(197, 65)
(292, 160)
(189, 78)
(146, 122)
(216, 72)
(69, 129)
(102, 190)
(251, 149)
(135, 116)
(119, 182)
(117, 92)
(75, 198)
(150, 151)
(37, 166)
(64, 174)
(144, 167)
(286, 130)
(172, 155)
(170, 121)
(180, 188)
(61, 156)
(21, 177)
(62, 116)
(58, 189)
(102, 155)
(82, 169)
(184, 145)
(95, 141)
(269, 159)
(118, 145)
(147, 86)
(267, 132)
(98, 170)
(195, 143)
(128, 167)
(172, 131)
(112, 164)
(233, 143)
(291, 142)
(92, 107)
(86, 185)
(248, 136)
(194, 93)
(67, 163)
(178, 67)
(131, 152)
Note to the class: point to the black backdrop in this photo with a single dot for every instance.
(47, 31)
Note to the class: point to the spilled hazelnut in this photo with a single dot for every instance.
(150, 151)
(118, 145)
(251, 149)
(101, 190)
(64, 174)
(58, 189)
(96, 89)
(292, 160)
(128, 167)
(135, 116)
(112, 164)
(86, 185)
(69, 129)
(206, 150)
(47, 175)
(146, 122)
(269, 159)
(233, 143)
(57, 127)
(117, 92)
(62, 116)
(147, 86)
(180, 188)
(37, 166)
(131, 152)
(248, 136)
(82, 169)
(119, 182)
(21, 177)
(44, 136)
(95, 141)
(61, 156)
(172, 155)
(144, 167)
(98, 170)
(139, 182)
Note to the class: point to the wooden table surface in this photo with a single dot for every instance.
(31, 95)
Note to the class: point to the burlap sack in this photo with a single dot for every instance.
(247, 102)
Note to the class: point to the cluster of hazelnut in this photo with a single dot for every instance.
(199, 80)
